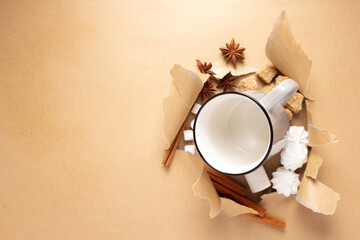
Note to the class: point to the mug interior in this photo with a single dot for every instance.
(233, 133)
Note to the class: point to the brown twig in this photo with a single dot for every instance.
(225, 181)
(269, 220)
(169, 153)
(238, 198)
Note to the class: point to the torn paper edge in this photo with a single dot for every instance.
(284, 51)
(230, 209)
(309, 186)
(309, 111)
(314, 163)
(182, 97)
(320, 137)
(286, 54)
(311, 190)
(220, 68)
(205, 190)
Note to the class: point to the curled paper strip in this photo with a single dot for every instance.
(204, 189)
(285, 182)
(286, 54)
(320, 137)
(314, 163)
(294, 156)
(230, 209)
(179, 98)
(221, 68)
(309, 110)
(318, 197)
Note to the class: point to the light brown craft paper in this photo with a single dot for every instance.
(309, 110)
(320, 137)
(318, 197)
(286, 54)
(179, 98)
(221, 68)
(314, 163)
(204, 189)
(230, 209)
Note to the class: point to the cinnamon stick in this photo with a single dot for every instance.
(169, 153)
(238, 198)
(269, 220)
(225, 181)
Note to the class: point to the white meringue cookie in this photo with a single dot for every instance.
(285, 181)
(297, 135)
(294, 155)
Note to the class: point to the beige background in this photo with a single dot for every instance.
(81, 86)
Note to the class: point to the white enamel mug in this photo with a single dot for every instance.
(234, 132)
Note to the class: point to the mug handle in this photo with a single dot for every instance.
(280, 94)
(258, 180)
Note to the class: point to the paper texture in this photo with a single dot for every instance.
(315, 195)
(81, 120)
(314, 163)
(221, 68)
(230, 209)
(178, 100)
(320, 137)
(204, 189)
(286, 54)
(309, 110)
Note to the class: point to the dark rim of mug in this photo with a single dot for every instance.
(267, 117)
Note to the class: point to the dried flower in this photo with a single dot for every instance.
(205, 68)
(207, 91)
(233, 52)
(227, 82)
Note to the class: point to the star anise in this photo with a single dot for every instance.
(205, 68)
(233, 52)
(227, 82)
(207, 91)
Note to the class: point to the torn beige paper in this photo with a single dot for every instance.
(221, 68)
(178, 100)
(318, 197)
(320, 137)
(230, 209)
(204, 189)
(286, 54)
(309, 110)
(314, 163)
